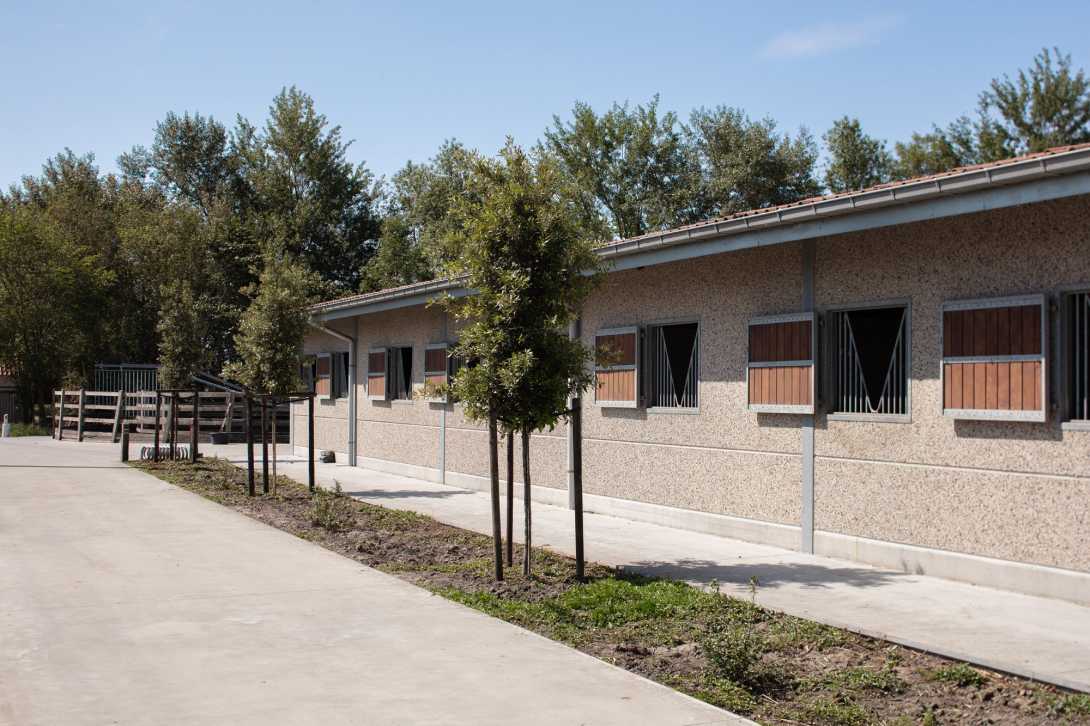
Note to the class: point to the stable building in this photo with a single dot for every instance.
(898, 376)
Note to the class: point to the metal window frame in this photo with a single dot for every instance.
(635, 403)
(317, 356)
(1063, 374)
(645, 384)
(786, 318)
(984, 414)
(445, 372)
(829, 364)
(385, 351)
(391, 351)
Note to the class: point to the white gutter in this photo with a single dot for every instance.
(351, 388)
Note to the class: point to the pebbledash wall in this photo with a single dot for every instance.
(996, 503)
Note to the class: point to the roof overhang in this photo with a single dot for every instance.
(1022, 182)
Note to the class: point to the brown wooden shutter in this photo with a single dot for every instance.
(993, 359)
(435, 365)
(322, 376)
(618, 383)
(780, 363)
(376, 374)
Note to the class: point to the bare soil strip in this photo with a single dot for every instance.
(771, 667)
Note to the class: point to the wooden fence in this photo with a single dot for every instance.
(105, 411)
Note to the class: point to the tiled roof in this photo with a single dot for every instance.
(440, 283)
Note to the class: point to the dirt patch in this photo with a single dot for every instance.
(773, 668)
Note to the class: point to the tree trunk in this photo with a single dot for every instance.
(526, 496)
(494, 475)
(510, 497)
(577, 482)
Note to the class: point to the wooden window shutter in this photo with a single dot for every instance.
(781, 351)
(618, 383)
(993, 359)
(323, 369)
(377, 374)
(435, 365)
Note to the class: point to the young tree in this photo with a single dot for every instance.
(181, 345)
(746, 165)
(926, 154)
(525, 249)
(273, 331)
(400, 259)
(858, 161)
(631, 167)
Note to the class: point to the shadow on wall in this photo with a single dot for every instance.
(771, 575)
(1007, 430)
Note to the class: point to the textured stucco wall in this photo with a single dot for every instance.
(724, 460)
(330, 417)
(957, 494)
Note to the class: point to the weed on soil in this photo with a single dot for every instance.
(731, 652)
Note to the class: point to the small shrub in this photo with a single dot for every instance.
(830, 710)
(961, 674)
(328, 511)
(733, 649)
(724, 694)
(29, 429)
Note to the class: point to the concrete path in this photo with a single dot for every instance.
(1030, 636)
(126, 600)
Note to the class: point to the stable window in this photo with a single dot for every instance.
(323, 369)
(435, 365)
(401, 374)
(993, 359)
(673, 365)
(1075, 342)
(376, 374)
(616, 369)
(868, 362)
(340, 375)
(306, 372)
(780, 363)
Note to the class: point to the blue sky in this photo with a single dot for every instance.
(400, 77)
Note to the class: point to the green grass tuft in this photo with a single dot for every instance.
(29, 429)
(960, 673)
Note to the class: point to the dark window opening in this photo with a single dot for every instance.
(401, 360)
(870, 366)
(1078, 356)
(673, 365)
(340, 375)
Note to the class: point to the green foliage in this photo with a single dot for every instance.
(632, 170)
(857, 161)
(826, 710)
(400, 259)
(29, 429)
(274, 329)
(746, 165)
(927, 154)
(522, 245)
(612, 602)
(733, 649)
(724, 694)
(181, 348)
(329, 510)
(961, 674)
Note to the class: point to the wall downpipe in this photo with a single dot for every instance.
(351, 386)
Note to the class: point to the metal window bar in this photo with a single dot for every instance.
(663, 393)
(852, 393)
(1079, 357)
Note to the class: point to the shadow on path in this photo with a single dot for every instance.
(770, 574)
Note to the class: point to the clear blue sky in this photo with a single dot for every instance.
(400, 77)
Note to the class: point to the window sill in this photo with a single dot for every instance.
(402, 401)
(681, 411)
(869, 418)
(1075, 425)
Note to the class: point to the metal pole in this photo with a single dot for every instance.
(264, 446)
(310, 441)
(250, 443)
(125, 442)
(510, 497)
(158, 414)
(577, 481)
(196, 425)
(173, 426)
(494, 479)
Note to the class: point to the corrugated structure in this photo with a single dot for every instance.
(895, 376)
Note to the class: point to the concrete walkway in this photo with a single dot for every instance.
(1035, 637)
(127, 600)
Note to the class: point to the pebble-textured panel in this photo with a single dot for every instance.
(467, 453)
(417, 445)
(1035, 519)
(756, 486)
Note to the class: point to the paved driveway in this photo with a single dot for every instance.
(126, 600)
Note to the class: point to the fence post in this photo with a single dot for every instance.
(79, 430)
(125, 442)
(577, 482)
(264, 446)
(196, 426)
(158, 414)
(310, 441)
(117, 417)
(59, 416)
(250, 441)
